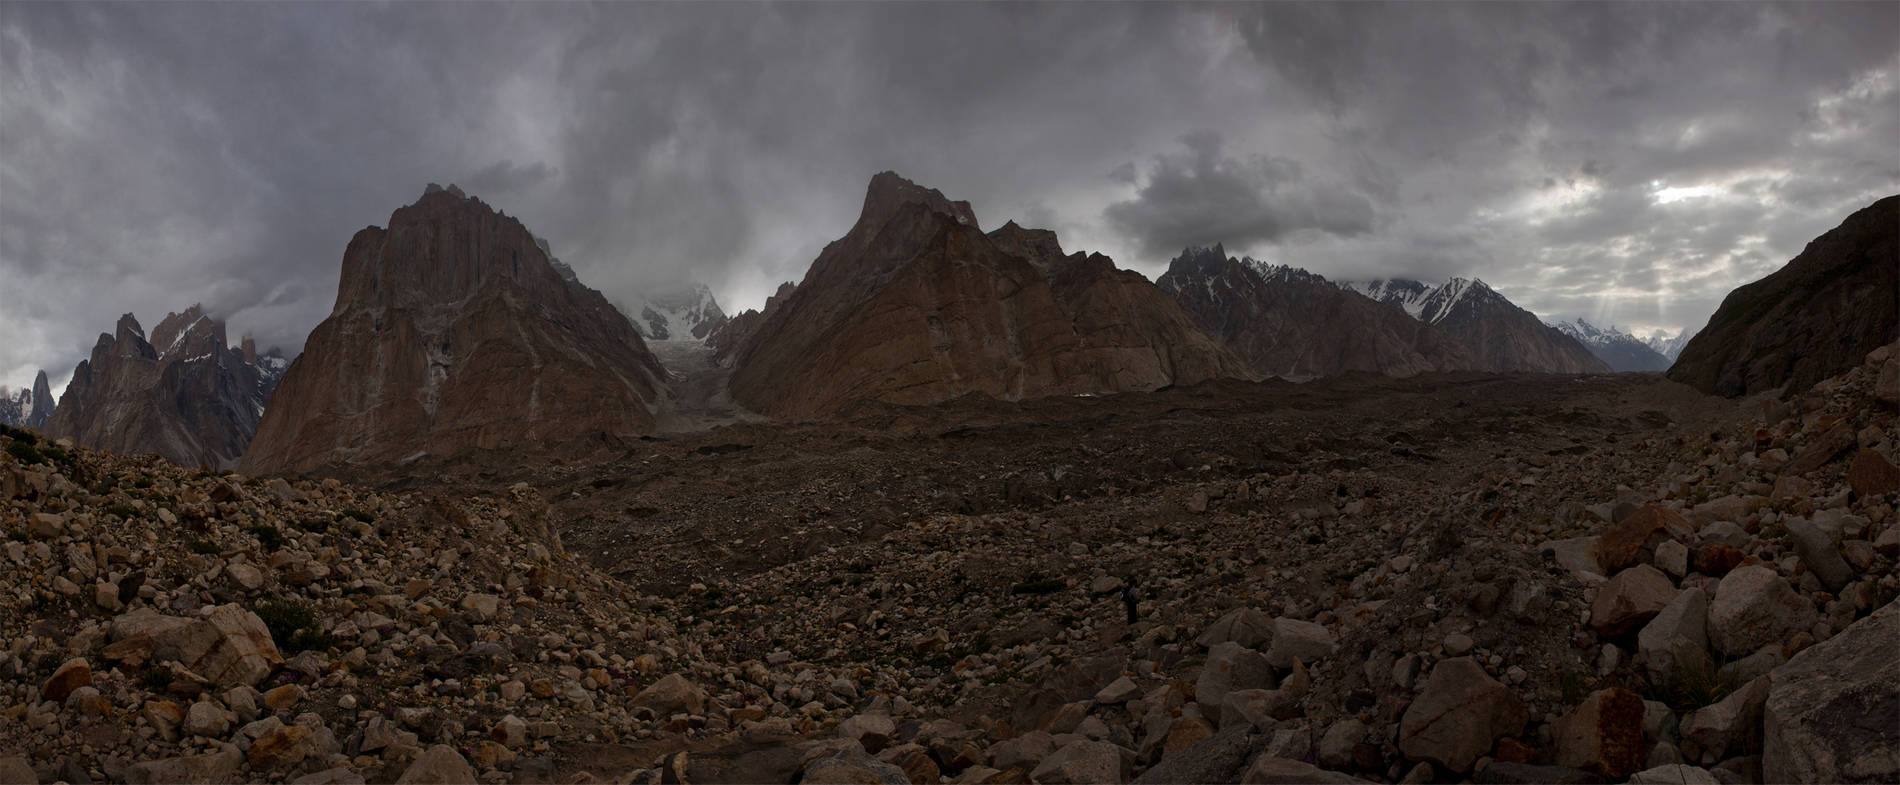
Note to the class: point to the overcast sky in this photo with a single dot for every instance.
(1626, 163)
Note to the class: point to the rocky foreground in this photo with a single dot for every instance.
(1681, 604)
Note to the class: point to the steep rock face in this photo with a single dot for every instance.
(454, 329)
(1816, 317)
(916, 304)
(1295, 325)
(1502, 336)
(1620, 350)
(185, 395)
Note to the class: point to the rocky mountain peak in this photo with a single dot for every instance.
(190, 333)
(455, 329)
(890, 192)
(1039, 246)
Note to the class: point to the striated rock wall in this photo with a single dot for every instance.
(453, 330)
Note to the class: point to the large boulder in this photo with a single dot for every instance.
(1304, 641)
(1245, 626)
(1459, 713)
(1084, 763)
(208, 769)
(438, 765)
(1630, 600)
(673, 694)
(1830, 713)
(1604, 734)
(1754, 607)
(1729, 727)
(1817, 551)
(1623, 544)
(1676, 642)
(1231, 666)
(229, 645)
(1271, 770)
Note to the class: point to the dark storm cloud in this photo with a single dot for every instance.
(1201, 196)
(1612, 161)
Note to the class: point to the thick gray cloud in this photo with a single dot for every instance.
(1629, 163)
(1202, 193)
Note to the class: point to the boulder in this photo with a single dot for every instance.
(860, 769)
(1630, 600)
(873, 731)
(1871, 474)
(1677, 640)
(1509, 773)
(1084, 763)
(1245, 626)
(672, 694)
(1754, 607)
(1729, 727)
(1624, 544)
(208, 769)
(1298, 640)
(1674, 774)
(1829, 716)
(438, 765)
(1604, 734)
(15, 770)
(280, 748)
(1231, 666)
(341, 775)
(1337, 745)
(1218, 758)
(1577, 555)
(70, 676)
(1270, 770)
(1460, 711)
(1258, 708)
(1817, 551)
(204, 718)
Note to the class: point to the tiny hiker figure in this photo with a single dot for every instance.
(1128, 599)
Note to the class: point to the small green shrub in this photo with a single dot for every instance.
(25, 453)
(122, 510)
(292, 625)
(19, 435)
(156, 679)
(54, 452)
(202, 546)
(268, 536)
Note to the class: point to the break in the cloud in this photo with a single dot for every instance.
(1626, 162)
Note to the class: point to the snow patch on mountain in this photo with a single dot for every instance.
(685, 312)
(1623, 351)
(1669, 346)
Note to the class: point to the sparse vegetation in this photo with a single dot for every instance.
(202, 546)
(293, 625)
(268, 536)
(125, 511)
(25, 452)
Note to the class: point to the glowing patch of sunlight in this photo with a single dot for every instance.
(1667, 194)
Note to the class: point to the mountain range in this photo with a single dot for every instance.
(1622, 351)
(1292, 324)
(455, 328)
(1501, 336)
(186, 394)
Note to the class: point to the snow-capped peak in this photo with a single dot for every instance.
(685, 312)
